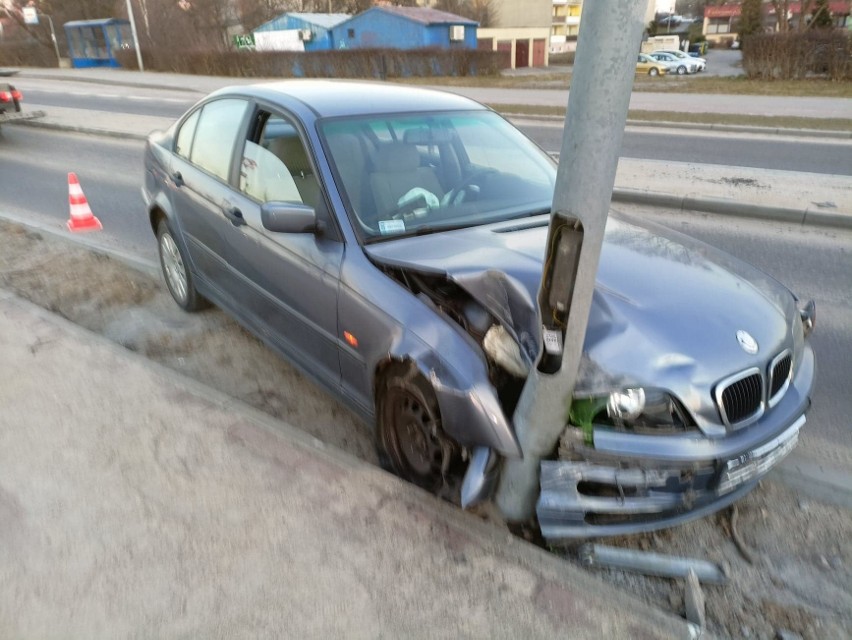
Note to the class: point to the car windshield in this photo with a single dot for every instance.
(402, 175)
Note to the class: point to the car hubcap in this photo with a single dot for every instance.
(173, 266)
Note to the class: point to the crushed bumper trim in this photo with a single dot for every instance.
(616, 501)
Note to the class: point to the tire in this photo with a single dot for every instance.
(176, 273)
(681, 70)
(410, 441)
(653, 71)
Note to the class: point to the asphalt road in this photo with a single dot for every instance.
(815, 263)
(766, 152)
(105, 98)
(812, 155)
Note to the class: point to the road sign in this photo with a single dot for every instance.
(244, 41)
(30, 15)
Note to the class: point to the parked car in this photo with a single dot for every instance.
(675, 64)
(700, 63)
(10, 105)
(10, 99)
(648, 65)
(389, 241)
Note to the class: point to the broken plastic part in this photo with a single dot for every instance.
(480, 478)
(503, 349)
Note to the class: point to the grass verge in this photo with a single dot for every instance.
(812, 87)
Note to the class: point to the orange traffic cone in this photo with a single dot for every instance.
(82, 218)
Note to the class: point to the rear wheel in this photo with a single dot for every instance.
(653, 71)
(681, 70)
(409, 438)
(176, 271)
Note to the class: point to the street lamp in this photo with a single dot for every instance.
(135, 36)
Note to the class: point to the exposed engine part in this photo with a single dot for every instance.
(502, 348)
(507, 373)
(478, 318)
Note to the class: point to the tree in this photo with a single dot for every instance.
(60, 11)
(482, 11)
(694, 8)
(782, 15)
(822, 16)
(751, 18)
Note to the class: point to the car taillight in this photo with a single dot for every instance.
(5, 96)
(17, 95)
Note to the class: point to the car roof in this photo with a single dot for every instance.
(330, 98)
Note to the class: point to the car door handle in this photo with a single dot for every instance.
(177, 178)
(234, 215)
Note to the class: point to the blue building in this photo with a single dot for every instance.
(312, 29)
(405, 28)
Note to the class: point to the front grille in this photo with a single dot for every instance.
(740, 398)
(779, 375)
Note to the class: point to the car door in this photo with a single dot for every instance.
(201, 170)
(287, 282)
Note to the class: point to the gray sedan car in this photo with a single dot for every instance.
(389, 241)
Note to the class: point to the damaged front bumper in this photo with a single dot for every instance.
(584, 499)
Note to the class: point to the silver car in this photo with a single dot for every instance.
(700, 63)
(389, 241)
(680, 66)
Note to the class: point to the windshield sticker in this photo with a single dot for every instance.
(389, 227)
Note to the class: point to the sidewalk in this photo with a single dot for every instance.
(137, 503)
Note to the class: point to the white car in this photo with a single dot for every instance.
(701, 62)
(677, 65)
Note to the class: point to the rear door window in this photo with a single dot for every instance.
(215, 135)
(185, 135)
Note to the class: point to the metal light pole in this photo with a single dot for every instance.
(135, 36)
(608, 43)
(53, 39)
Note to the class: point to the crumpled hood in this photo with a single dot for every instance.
(666, 309)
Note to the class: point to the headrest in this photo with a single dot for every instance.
(427, 135)
(291, 150)
(397, 158)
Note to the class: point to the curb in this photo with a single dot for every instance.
(805, 218)
(54, 126)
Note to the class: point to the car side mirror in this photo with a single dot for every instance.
(286, 217)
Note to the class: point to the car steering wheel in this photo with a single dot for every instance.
(457, 195)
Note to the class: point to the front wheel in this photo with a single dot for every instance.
(653, 72)
(681, 70)
(176, 271)
(409, 438)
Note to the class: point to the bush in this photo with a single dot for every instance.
(352, 63)
(566, 57)
(26, 54)
(789, 56)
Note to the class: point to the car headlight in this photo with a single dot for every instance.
(638, 409)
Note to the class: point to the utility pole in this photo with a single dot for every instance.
(135, 35)
(607, 47)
